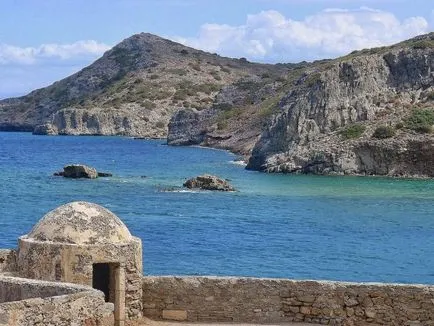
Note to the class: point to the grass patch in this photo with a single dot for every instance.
(352, 131)
(216, 75)
(179, 72)
(383, 132)
(421, 120)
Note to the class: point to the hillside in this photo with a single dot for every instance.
(133, 89)
(370, 113)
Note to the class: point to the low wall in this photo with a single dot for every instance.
(213, 299)
(8, 260)
(26, 302)
(15, 289)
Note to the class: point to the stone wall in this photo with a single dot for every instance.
(8, 260)
(15, 289)
(213, 299)
(46, 303)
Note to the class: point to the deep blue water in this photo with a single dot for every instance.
(304, 227)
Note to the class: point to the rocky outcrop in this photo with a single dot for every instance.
(189, 127)
(369, 90)
(77, 171)
(208, 182)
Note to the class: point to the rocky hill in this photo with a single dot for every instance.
(370, 112)
(133, 89)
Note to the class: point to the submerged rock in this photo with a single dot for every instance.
(104, 174)
(208, 182)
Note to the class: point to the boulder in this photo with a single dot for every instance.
(76, 171)
(208, 182)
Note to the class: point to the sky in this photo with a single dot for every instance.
(42, 41)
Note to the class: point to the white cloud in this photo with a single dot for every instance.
(270, 36)
(10, 54)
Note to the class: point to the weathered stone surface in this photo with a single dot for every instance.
(179, 315)
(66, 243)
(26, 302)
(77, 171)
(252, 300)
(8, 260)
(208, 182)
(80, 223)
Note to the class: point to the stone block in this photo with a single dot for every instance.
(178, 315)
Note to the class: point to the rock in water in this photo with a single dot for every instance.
(208, 182)
(76, 171)
(104, 174)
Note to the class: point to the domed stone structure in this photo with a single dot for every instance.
(80, 223)
(86, 244)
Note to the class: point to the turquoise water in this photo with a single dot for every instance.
(304, 227)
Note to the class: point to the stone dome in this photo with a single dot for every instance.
(80, 223)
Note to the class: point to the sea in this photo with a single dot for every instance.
(363, 229)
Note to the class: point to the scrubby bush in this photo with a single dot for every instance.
(399, 125)
(423, 44)
(353, 131)
(160, 124)
(421, 120)
(383, 132)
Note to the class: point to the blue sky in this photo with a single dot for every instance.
(45, 40)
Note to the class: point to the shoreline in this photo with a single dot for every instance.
(239, 157)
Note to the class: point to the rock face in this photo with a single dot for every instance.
(370, 90)
(208, 182)
(77, 171)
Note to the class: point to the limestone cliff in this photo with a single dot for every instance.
(328, 116)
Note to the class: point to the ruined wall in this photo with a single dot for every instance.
(14, 289)
(73, 263)
(8, 260)
(85, 308)
(212, 299)
(26, 302)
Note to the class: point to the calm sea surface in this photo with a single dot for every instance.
(304, 227)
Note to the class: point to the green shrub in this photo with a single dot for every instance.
(421, 120)
(225, 70)
(430, 96)
(179, 72)
(154, 76)
(313, 79)
(195, 66)
(399, 125)
(353, 131)
(160, 124)
(216, 75)
(149, 105)
(383, 132)
(423, 44)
